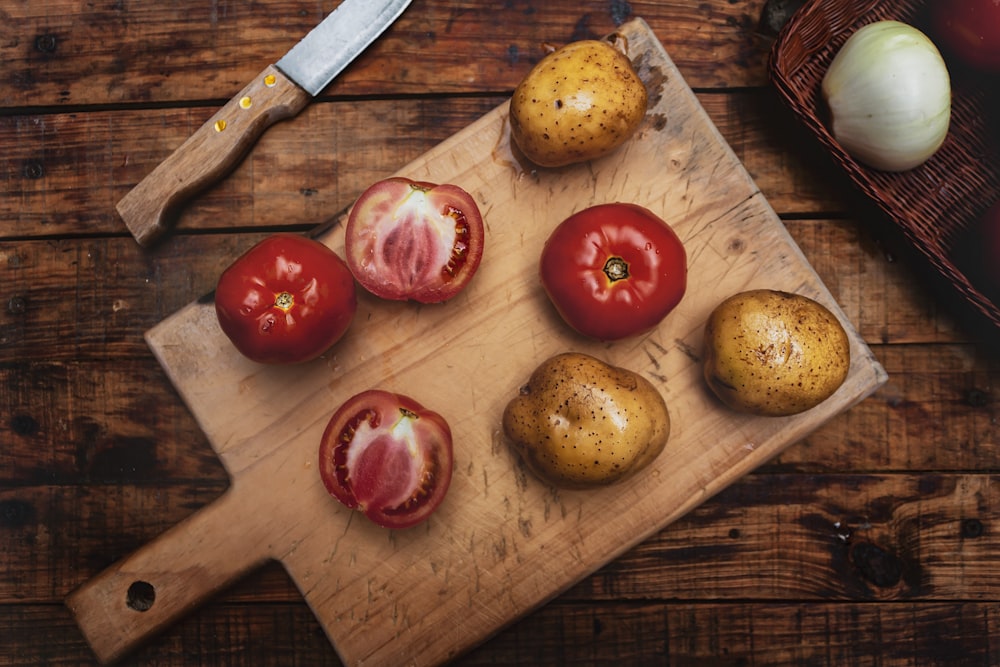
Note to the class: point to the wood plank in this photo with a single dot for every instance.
(811, 537)
(188, 50)
(68, 170)
(91, 423)
(79, 422)
(938, 411)
(821, 537)
(898, 634)
(234, 635)
(97, 524)
(302, 171)
(752, 633)
(93, 298)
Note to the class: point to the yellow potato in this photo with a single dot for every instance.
(580, 422)
(578, 103)
(773, 353)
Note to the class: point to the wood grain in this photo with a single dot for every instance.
(153, 54)
(771, 536)
(377, 599)
(80, 423)
(100, 455)
(111, 288)
(207, 156)
(307, 169)
(632, 633)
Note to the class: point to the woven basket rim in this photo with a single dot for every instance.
(931, 204)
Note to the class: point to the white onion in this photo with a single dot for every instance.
(889, 96)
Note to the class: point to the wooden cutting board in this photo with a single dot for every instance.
(502, 543)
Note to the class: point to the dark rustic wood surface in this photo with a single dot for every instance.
(873, 541)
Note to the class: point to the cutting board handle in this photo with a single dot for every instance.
(146, 592)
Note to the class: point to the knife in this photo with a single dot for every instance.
(281, 91)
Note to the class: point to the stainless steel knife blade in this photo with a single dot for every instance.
(329, 47)
(280, 91)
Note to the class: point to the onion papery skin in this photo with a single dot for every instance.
(889, 96)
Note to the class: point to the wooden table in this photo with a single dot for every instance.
(873, 541)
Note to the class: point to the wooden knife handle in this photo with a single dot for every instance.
(210, 153)
(146, 592)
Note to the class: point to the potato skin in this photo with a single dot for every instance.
(581, 423)
(578, 103)
(773, 353)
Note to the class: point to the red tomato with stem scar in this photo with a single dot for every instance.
(409, 240)
(387, 456)
(286, 300)
(614, 270)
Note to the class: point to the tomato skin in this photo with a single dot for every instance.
(989, 227)
(387, 456)
(969, 30)
(410, 240)
(597, 303)
(250, 300)
(977, 252)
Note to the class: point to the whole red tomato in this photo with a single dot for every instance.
(969, 30)
(286, 300)
(414, 240)
(387, 456)
(614, 270)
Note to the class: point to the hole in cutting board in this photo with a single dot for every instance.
(140, 596)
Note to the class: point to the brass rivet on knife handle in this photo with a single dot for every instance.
(214, 150)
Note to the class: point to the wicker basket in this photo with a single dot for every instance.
(933, 204)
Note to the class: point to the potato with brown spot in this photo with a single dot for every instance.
(578, 103)
(581, 423)
(773, 353)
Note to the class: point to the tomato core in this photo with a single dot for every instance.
(616, 269)
(284, 300)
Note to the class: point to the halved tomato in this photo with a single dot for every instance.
(387, 456)
(413, 240)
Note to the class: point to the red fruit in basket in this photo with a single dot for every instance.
(970, 31)
(989, 228)
(977, 253)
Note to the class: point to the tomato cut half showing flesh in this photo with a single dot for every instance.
(409, 240)
(388, 457)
